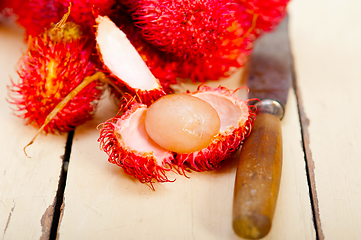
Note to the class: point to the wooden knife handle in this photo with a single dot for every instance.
(258, 178)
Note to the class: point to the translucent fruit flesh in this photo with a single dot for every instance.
(182, 123)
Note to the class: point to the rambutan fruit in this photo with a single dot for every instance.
(148, 141)
(123, 62)
(55, 64)
(207, 39)
(37, 15)
(188, 29)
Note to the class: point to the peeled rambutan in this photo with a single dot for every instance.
(134, 141)
(55, 63)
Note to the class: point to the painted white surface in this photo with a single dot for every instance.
(27, 185)
(326, 39)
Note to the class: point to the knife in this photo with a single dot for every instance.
(259, 169)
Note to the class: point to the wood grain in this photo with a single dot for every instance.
(326, 40)
(27, 186)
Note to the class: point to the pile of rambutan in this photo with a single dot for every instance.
(140, 49)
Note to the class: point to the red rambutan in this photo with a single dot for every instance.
(55, 63)
(37, 15)
(207, 39)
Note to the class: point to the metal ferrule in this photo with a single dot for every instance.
(270, 106)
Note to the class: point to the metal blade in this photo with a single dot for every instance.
(270, 72)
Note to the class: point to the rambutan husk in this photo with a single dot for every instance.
(118, 135)
(127, 144)
(123, 62)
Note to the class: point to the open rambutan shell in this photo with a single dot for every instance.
(125, 140)
(123, 62)
(128, 145)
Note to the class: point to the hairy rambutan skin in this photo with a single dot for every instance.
(48, 72)
(270, 12)
(141, 165)
(188, 29)
(83, 11)
(225, 144)
(37, 15)
(207, 39)
(201, 40)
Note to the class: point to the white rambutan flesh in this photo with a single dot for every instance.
(122, 59)
(182, 123)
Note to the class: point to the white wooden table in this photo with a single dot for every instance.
(320, 192)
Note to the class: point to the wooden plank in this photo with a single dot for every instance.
(27, 186)
(101, 202)
(326, 40)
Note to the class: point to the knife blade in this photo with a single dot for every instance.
(260, 165)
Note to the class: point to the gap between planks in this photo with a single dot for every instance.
(309, 163)
(59, 198)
